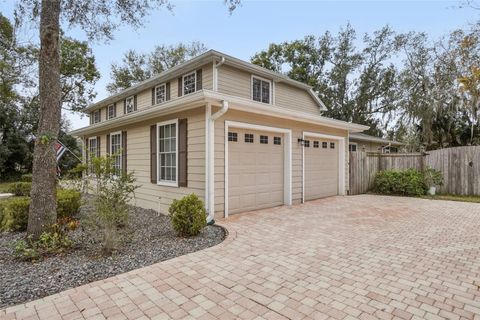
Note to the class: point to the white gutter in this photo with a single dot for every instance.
(210, 157)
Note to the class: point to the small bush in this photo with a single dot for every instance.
(188, 215)
(26, 177)
(68, 202)
(14, 213)
(408, 182)
(433, 177)
(53, 241)
(20, 189)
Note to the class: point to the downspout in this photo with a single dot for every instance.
(211, 159)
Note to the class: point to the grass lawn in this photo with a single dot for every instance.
(453, 197)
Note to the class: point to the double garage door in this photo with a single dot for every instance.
(256, 173)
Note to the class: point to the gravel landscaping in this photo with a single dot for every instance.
(148, 239)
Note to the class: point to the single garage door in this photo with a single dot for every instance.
(321, 168)
(256, 170)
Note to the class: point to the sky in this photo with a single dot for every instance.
(256, 24)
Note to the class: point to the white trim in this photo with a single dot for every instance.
(209, 164)
(269, 89)
(155, 92)
(341, 159)
(110, 152)
(107, 116)
(183, 82)
(125, 102)
(159, 181)
(287, 187)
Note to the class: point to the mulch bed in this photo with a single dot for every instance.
(147, 239)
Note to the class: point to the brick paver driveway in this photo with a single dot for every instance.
(361, 257)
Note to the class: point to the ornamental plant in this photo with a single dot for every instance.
(114, 190)
(188, 215)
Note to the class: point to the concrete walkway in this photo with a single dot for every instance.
(359, 257)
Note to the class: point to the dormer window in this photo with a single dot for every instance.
(261, 89)
(111, 111)
(130, 104)
(190, 83)
(96, 116)
(160, 93)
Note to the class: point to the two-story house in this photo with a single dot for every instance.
(239, 136)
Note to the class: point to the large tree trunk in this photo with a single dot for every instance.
(43, 211)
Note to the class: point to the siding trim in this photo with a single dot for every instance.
(287, 187)
(341, 160)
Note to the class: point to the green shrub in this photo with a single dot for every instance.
(14, 213)
(20, 188)
(26, 177)
(53, 241)
(68, 202)
(188, 215)
(408, 182)
(433, 177)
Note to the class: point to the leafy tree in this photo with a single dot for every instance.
(137, 67)
(99, 19)
(355, 85)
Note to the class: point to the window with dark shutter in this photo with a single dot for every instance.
(153, 153)
(180, 84)
(182, 152)
(199, 80)
(108, 143)
(153, 96)
(98, 146)
(124, 151)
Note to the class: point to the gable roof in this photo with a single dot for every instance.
(204, 58)
(366, 137)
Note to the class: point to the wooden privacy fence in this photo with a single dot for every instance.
(460, 167)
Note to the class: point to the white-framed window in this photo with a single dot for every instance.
(115, 150)
(167, 134)
(96, 116)
(261, 89)
(189, 83)
(111, 112)
(352, 147)
(92, 152)
(160, 93)
(130, 104)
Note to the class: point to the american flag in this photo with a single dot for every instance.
(59, 149)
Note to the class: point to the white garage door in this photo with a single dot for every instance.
(321, 168)
(256, 170)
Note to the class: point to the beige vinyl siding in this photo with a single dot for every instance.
(291, 97)
(234, 81)
(153, 196)
(369, 146)
(207, 81)
(144, 99)
(297, 131)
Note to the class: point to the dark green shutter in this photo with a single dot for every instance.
(167, 89)
(153, 153)
(124, 151)
(182, 152)
(199, 79)
(180, 85)
(108, 144)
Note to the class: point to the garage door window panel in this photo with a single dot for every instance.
(249, 138)
(263, 139)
